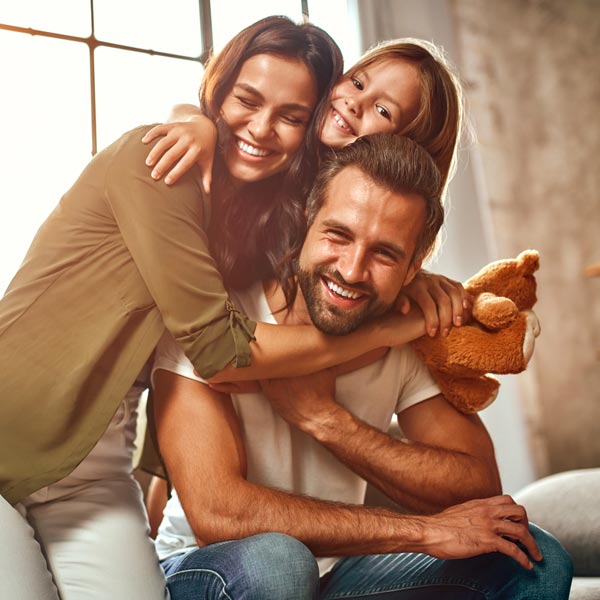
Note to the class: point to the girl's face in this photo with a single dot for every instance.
(383, 97)
(267, 112)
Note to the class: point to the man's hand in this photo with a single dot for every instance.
(302, 400)
(479, 527)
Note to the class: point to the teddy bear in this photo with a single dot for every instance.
(499, 339)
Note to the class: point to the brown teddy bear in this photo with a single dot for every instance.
(499, 339)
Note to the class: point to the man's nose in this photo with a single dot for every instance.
(261, 125)
(352, 265)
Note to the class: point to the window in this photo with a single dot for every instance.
(75, 75)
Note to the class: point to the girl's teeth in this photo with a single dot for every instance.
(248, 149)
(341, 291)
(340, 121)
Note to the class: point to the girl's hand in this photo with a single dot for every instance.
(184, 144)
(444, 302)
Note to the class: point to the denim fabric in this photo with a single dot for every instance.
(421, 577)
(277, 567)
(261, 567)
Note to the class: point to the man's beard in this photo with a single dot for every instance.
(332, 319)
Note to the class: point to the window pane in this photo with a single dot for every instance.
(71, 17)
(333, 16)
(231, 16)
(172, 26)
(133, 89)
(45, 124)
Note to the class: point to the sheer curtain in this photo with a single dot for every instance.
(469, 242)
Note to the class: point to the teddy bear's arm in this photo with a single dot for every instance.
(495, 312)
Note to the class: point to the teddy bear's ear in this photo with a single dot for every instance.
(529, 261)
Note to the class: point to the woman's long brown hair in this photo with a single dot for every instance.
(253, 228)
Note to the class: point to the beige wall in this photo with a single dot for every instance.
(533, 79)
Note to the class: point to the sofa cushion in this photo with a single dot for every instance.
(568, 506)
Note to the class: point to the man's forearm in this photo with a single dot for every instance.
(327, 528)
(418, 476)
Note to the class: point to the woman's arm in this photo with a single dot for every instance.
(189, 138)
(291, 350)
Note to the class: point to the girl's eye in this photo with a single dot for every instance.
(384, 112)
(356, 83)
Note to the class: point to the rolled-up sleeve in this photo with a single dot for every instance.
(163, 228)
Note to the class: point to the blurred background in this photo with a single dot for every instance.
(75, 74)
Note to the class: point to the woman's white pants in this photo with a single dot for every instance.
(79, 540)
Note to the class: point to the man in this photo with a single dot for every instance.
(263, 480)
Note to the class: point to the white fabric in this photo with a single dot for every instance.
(281, 456)
(87, 535)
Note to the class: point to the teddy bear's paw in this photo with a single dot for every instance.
(532, 330)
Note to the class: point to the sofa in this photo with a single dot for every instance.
(568, 506)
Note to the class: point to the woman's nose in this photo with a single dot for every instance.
(260, 126)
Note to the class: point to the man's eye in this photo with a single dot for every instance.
(384, 112)
(386, 254)
(356, 83)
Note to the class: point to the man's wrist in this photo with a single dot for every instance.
(326, 426)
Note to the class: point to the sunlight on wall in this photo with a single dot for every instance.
(45, 101)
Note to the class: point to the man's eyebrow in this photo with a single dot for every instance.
(288, 106)
(381, 244)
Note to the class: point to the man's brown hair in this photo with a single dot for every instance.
(395, 163)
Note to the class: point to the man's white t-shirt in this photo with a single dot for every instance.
(283, 457)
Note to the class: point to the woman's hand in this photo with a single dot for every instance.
(184, 144)
(444, 302)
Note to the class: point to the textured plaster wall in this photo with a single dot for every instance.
(532, 70)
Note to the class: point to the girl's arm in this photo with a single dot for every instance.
(189, 138)
(443, 301)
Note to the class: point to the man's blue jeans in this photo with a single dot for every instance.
(274, 566)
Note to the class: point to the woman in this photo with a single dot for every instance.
(402, 86)
(119, 258)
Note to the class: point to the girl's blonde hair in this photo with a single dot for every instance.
(438, 124)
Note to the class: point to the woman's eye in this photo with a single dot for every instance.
(337, 236)
(246, 102)
(293, 120)
(357, 83)
(384, 112)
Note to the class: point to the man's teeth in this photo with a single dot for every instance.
(342, 292)
(248, 149)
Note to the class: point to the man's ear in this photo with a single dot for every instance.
(413, 269)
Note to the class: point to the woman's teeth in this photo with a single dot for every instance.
(252, 150)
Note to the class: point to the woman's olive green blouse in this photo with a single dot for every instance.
(120, 258)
